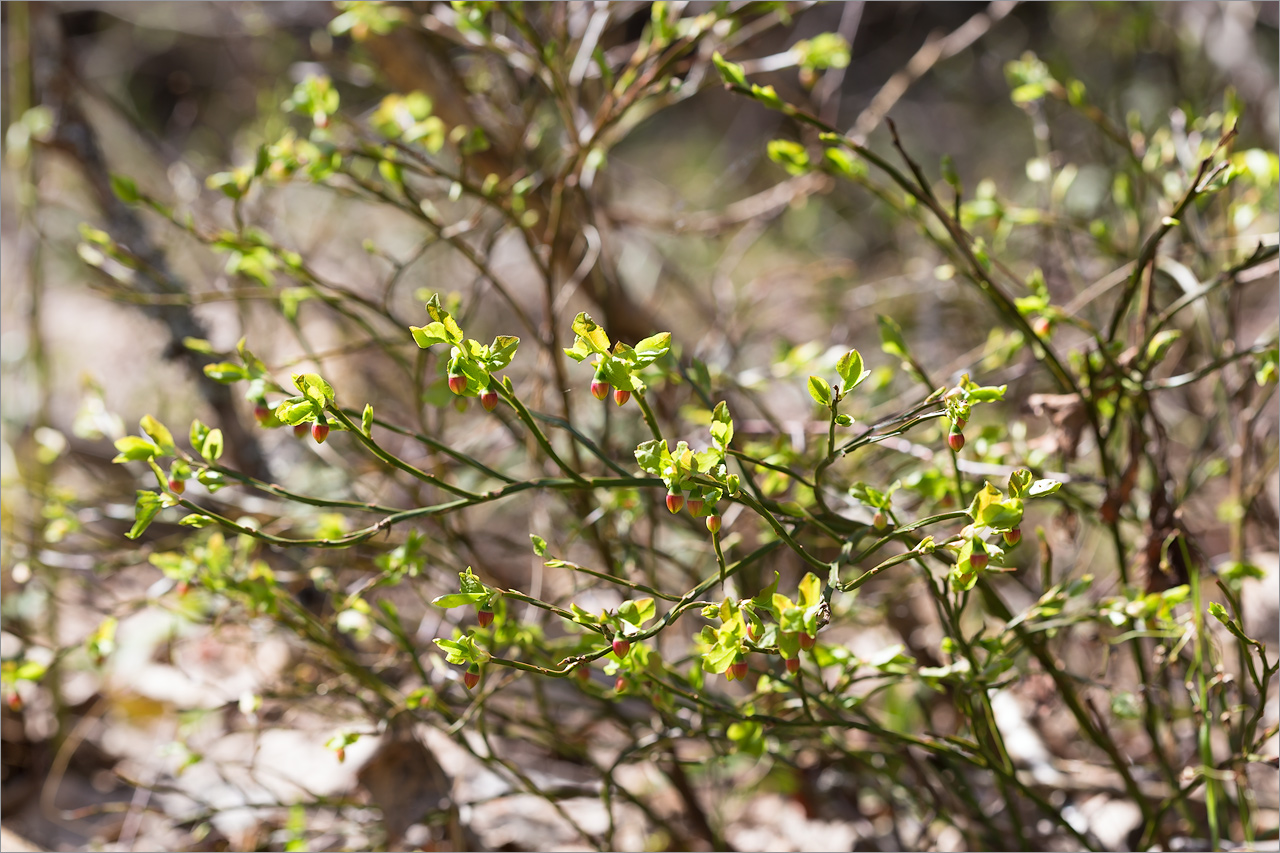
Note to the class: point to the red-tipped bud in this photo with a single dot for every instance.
(1042, 327)
(621, 684)
(621, 647)
(695, 506)
(739, 670)
(341, 752)
(599, 389)
(14, 701)
(956, 440)
(489, 399)
(713, 523)
(793, 665)
(177, 486)
(261, 413)
(1013, 537)
(977, 561)
(485, 618)
(620, 396)
(471, 677)
(753, 631)
(960, 422)
(675, 501)
(807, 641)
(300, 430)
(457, 383)
(319, 432)
(879, 521)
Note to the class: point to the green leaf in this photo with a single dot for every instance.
(650, 455)
(810, 590)
(851, 370)
(637, 612)
(539, 544)
(366, 420)
(1159, 346)
(160, 434)
(146, 508)
(791, 156)
(211, 448)
(125, 189)
(225, 372)
(310, 385)
(296, 410)
(819, 390)
(430, 335)
(133, 448)
(651, 349)
(991, 509)
(1043, 488)
(730, 72)
(502, 351)
(891, 340)
(458, 599)
(587, 330)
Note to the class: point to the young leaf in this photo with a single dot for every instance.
(819, 390)
(160, 434)
(133, 448)
(146, 508)
(850, 369)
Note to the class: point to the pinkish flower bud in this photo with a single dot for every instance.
(319, 432)
(621, 647)
(793, 665)
(457, 383)
(713, 523)
(485, 618)
(489, 399)
(807, 641)
(978, 561)
(620, 396)
(1012, 537)
(695, 506)
(471, 677)
(956, 440)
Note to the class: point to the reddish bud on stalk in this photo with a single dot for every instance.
(739, 670)
(1042, 327)
(978, 561)
(319, 432)
(879, 522)
(457, 383)
(793, 665)
(675, 501)
(599, 389)
(489, 399)
(341, 752)
(956, 440)
(807, 641)
(299, 430)
(177, 486)
(960, 422)
(620, 396)
(471, 677)
(1013, 537)
(713, 523)
(621, 684)
(621, 647)
(695, 506)
(485, 618)
(261, 413)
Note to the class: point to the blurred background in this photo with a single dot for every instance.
(148, 727)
